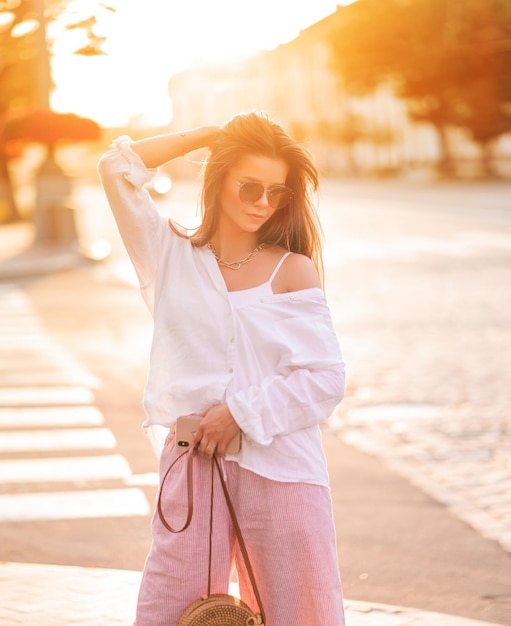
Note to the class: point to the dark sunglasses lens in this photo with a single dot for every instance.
(251, 192)
(279, 197)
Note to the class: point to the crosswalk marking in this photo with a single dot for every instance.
(37, 396)
(37, 378)
(46, 440)
(139, 480)
(73, 505)
(64, 469)
(26, 344)
(47, 409)
(54, 416)
(24, 338)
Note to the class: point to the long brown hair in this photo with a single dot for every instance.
(296, 227)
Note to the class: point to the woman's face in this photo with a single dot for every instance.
(244, 216)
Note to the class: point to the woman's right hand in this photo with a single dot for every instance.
(216, 431)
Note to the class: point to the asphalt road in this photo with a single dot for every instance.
(418, 280)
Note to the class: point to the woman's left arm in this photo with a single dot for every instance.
(281, 405)
(314, 383)
(309, 380)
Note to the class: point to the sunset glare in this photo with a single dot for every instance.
(146, 45)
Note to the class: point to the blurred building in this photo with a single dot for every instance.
(295, 83)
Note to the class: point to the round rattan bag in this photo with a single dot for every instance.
(219, 609)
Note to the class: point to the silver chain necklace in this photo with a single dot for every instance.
(235, 265)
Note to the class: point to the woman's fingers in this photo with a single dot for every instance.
(207, 448)
(216, 431)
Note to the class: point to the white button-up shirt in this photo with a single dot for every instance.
(274, 359)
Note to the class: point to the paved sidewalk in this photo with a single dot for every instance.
(21, 256)
(54, 595)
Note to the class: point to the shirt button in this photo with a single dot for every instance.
(231, 339)
(231, 370)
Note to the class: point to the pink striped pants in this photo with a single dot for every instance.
(289, 533)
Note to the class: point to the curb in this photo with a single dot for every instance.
(38, 262)
(58, 595)
(21, 258)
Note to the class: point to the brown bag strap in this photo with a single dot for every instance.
(232, 513)
(189, 485)
(239, 537)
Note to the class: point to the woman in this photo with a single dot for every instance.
(242, 336)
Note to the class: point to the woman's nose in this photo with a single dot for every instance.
(263, 200)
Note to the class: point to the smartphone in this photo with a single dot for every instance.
(186, 428)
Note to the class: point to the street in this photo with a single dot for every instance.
(418, 279)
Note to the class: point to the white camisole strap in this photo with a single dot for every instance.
(274, 273)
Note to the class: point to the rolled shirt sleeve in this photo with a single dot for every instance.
(124, 176)
(310, 377)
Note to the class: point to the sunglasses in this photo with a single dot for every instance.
(278, 197)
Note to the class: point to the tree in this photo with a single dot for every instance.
(25, 80)
(18, 86)
(483, 48)
(449, 59)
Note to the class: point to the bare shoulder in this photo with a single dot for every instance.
(297, 272)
